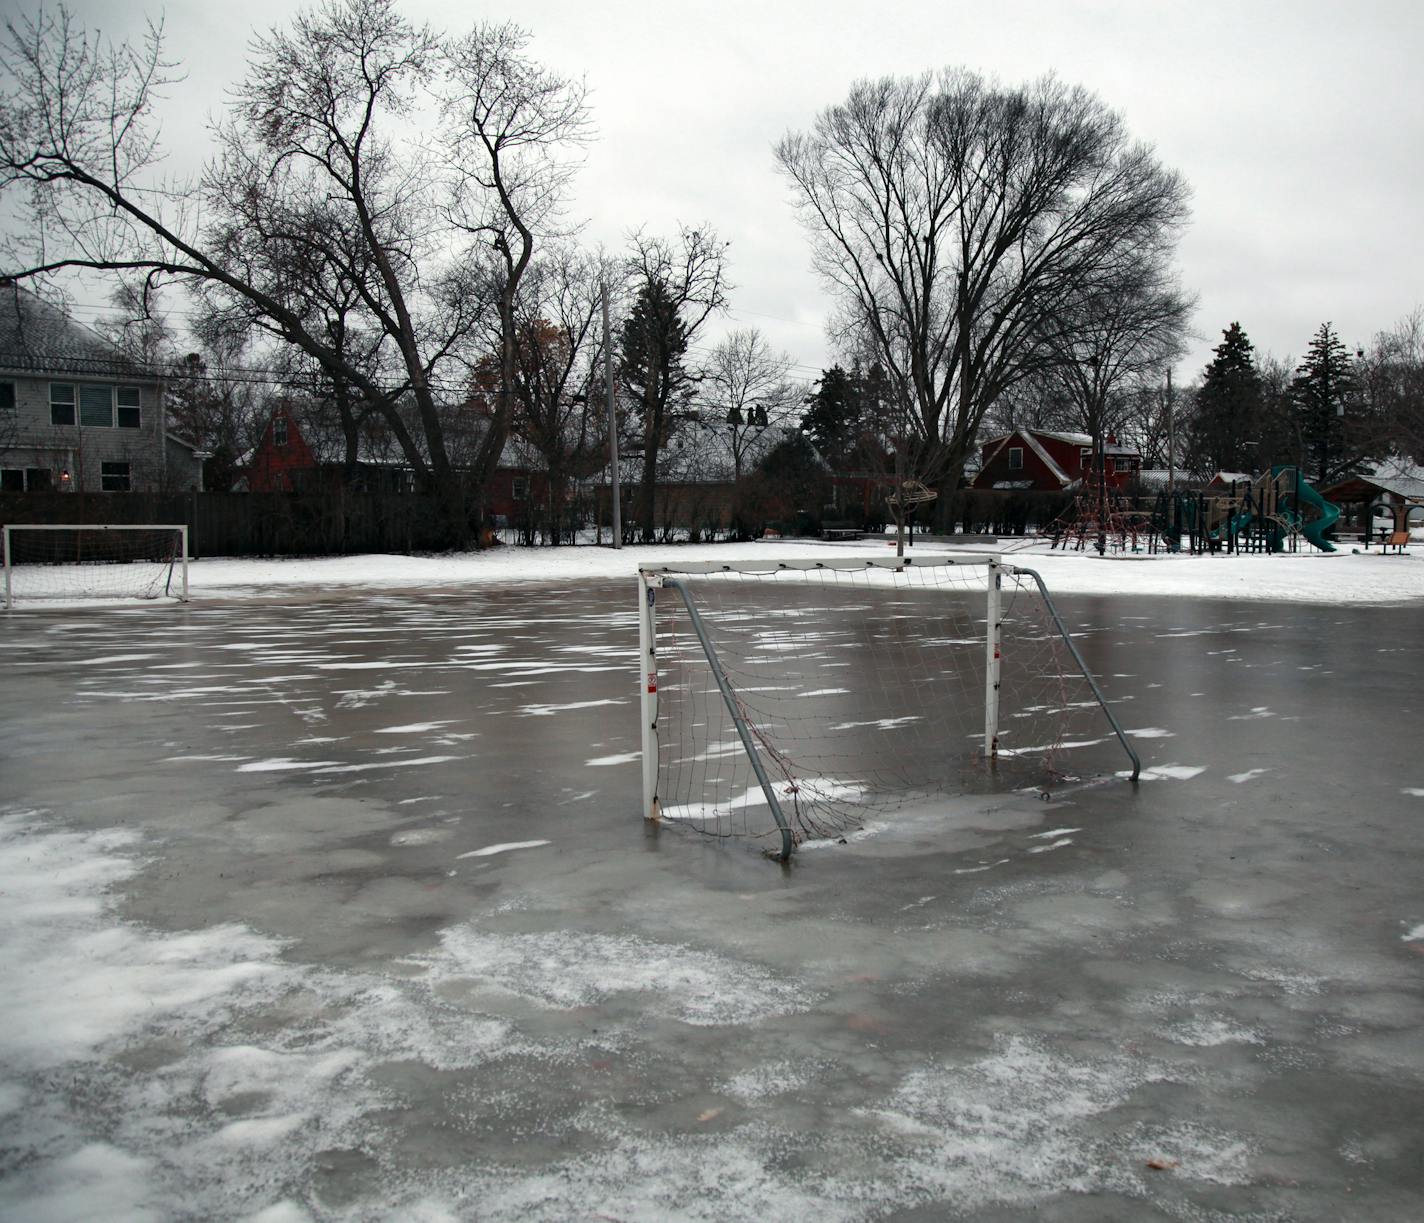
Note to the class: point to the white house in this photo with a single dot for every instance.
(76, 414)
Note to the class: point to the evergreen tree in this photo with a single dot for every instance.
(651, 354)
(1224, 432)
(1325, 405)
(845, 415)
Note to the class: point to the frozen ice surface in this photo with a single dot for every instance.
(294, 993)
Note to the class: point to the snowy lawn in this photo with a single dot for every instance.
(1313, 577)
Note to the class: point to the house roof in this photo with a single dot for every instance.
(1111, 446)
(36, 337)
(1033, 444)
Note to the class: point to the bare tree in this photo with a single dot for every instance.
(747, 397)
(676, 285)
(557, 384)
(1394, 383)
(323, 176)
(953, 217)
(513, 127)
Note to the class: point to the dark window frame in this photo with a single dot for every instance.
(115, 477)
(7, 396)
(128, 415)
(279, 431)
(60, 408)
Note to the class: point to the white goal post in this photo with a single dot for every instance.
(54, 564)
(813, 692)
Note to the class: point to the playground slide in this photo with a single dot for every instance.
(1327, 514)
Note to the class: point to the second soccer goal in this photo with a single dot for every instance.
(794, 700)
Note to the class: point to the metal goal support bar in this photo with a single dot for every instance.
(1082, 666)
(744, 732)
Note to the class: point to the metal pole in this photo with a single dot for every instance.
(184, 546)
(648, 693)
(743, 730)
(612, 425)
(993, 665)
(9, 602)
(1171, 441)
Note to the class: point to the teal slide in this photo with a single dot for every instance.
(1325, 513)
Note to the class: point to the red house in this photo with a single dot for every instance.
(1050, 462)
(285, 460)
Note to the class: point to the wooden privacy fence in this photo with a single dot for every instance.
(253, 524)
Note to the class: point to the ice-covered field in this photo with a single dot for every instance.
(326, 896)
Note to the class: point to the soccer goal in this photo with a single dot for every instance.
(796, 700)
(49, 565)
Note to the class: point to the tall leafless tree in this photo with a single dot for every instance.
(747, 397)
(1114, 333)
(675, 285)
(952, 217)
(324, 175)
(557, 387)
(514, 128)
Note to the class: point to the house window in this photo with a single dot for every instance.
(279, 431)
(521, 488)
(96, 405)
(1085, 457)
(25, 480)
(128, 401)
(7, 396)
(1015, 458)
(61, 403)
(114, 477)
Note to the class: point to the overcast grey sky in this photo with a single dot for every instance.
(1299, 126)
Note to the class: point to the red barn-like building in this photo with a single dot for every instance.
(284, 461)
(1050, 462)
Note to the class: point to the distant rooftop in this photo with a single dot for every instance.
(37, 337)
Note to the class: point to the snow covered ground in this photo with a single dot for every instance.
(1340, 577)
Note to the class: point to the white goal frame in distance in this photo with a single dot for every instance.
(181, 560)
(651, 578)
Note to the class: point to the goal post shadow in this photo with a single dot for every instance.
(754, 732)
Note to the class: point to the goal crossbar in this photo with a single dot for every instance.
(752, 743)
(175, 563)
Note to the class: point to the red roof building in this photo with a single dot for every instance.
(1050, 462)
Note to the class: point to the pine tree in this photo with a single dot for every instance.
(1229, 405)
(1322, 398)
(653, 348)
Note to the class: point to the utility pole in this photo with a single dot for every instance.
(1171, 441)
(617, 498)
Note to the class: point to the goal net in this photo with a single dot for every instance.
(81, 562)
(799, 700)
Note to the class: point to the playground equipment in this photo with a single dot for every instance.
(1271, 513)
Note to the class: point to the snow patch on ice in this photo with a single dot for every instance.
(599, 762)
(503, 848)
(544, 711)
(1248, 775)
